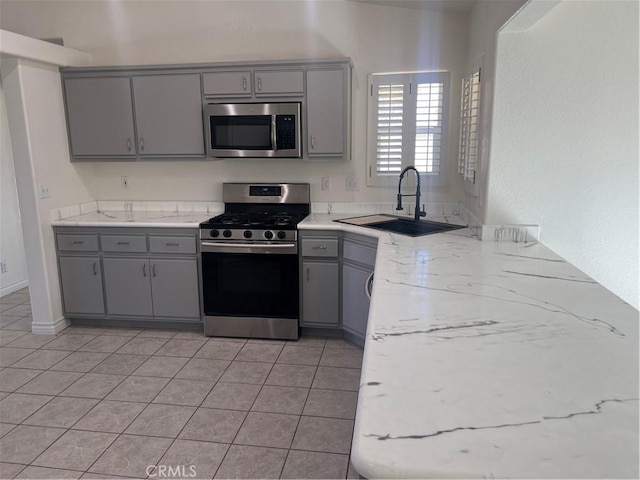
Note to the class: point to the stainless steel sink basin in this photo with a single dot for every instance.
(399, 225)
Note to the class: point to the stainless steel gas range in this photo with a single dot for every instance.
(250, 261)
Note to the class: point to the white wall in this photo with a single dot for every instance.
(41, 157)
(487, 16)
(564, 151)
(377, 38)
(11, 245)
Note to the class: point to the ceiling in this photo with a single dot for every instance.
(459, 6)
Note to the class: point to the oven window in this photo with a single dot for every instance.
(241, 132)
(250, 285)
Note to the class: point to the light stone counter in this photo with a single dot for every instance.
(492, 360)
(136, 219)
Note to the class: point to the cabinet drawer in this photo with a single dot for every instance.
(285, 81)
(169, 244)
(124, 243)
(227, 83)
(319, 247)
(77, 242)
(359, 253)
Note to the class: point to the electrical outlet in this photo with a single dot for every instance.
(124, 182)
(353, 185)
(3, 267)
(44, 191)
(326, 184)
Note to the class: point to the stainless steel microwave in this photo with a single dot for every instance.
(253, 130)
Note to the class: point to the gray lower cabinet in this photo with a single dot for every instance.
(128, 286)
(320, 293)
(152, 287)
(81, 279)
(129, 274)
(358, 262)
(355, 303)
(174, 287)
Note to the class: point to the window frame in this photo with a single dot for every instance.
(409, 80)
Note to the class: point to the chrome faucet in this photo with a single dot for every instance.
(418, 213)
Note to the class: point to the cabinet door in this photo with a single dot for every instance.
(279, 81)
(100, 116)
(227, 84)
(169, 114)
(325, 112)
(355, 304)
(174, 286)
(81, 279)
(320, 294)
(128, 286)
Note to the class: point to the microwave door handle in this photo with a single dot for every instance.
(274, 137)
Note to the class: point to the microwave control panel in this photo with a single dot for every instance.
(286, 131)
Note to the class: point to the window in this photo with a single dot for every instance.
(408, 115)
(469, 126)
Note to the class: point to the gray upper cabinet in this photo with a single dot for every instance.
(128, 286)
(270, 82)
(174, 287)
(81, 280)
(168, 114)
(326, 112)
(100, 116)
(125, 113)
(227, 84)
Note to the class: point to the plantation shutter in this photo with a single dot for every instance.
(469, 124)
(407, 124)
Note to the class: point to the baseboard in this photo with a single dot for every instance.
(13, 287)
(50, 328)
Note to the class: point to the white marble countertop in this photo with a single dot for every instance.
(119, 218)
(492, 360)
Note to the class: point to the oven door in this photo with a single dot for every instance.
(250, 290)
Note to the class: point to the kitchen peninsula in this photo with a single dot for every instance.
(492, 360)
(484, 359)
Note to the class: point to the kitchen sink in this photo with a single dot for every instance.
(402, 226)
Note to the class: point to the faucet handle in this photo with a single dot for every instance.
(423, 213)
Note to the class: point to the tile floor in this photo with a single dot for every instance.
(109, 402)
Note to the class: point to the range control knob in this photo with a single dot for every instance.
(247, 234)
(282, 235)
(268, 234)
(226, 233)
(214, 233)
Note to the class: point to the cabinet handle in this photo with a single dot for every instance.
(313, 142)
(173, 244)
(142, 144)
(244, 83)
(77, 242)
(307, 274)
(153, 269)
(129, 144)
(319, 247)
(123, 243)
(259, 83)
(368, 286)
(144, 269)
(95, 268)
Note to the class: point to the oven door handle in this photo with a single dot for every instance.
(219, 247)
